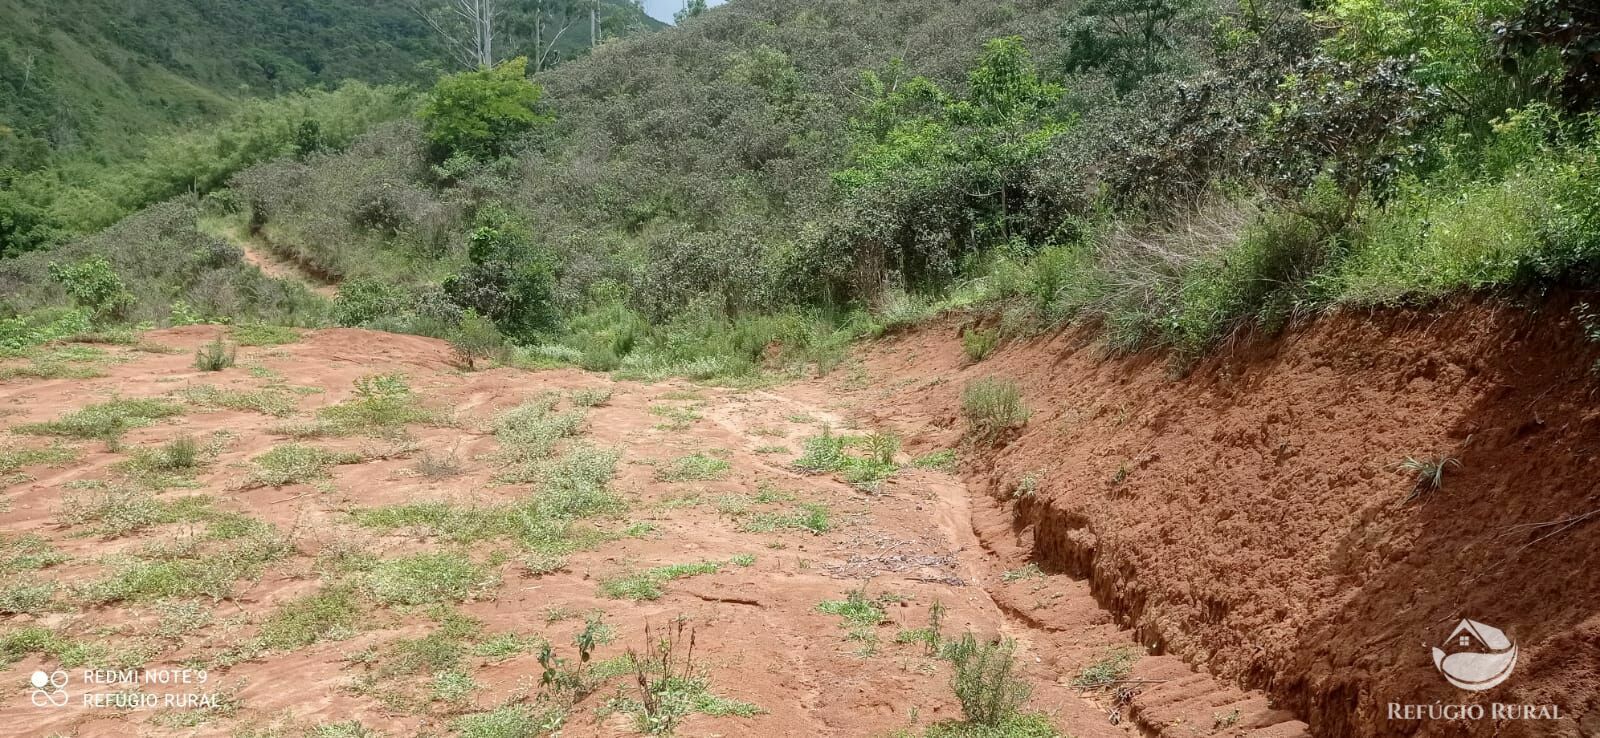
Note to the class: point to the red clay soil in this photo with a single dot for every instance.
(761, 638)
(1251, 515)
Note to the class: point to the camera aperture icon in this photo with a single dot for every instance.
(49, 689)
(1481, 656)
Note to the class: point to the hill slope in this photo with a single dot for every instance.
(95, 76)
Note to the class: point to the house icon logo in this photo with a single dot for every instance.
(1476, 657)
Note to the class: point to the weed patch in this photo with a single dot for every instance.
(650, 583)
(106, 421)
(694, 468)
(294, 463)
(428, 578)
(992, 406)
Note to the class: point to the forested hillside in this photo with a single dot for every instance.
(90, 88)
(1172, 171)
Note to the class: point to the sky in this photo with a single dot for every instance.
(663, 9)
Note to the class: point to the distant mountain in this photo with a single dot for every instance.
(93, 77)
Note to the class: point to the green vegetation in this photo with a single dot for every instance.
(549, 523)
(943, 460)
(979, 343)
(119, 511)
(1429, 473)
(591, 397)
(694, 468)
(272, 401)
(14, 459)
(293, 463)
(260, 334)
(25, 553)
(481, 113)
(1106, 672)
(1046, 167)
(187, 567)
(214, 356)
(669, 685)
(331, 613)
(648, 584)
(428, 578)
(106, 421)
(510, 721)
(991, 692)
(992, 406)
(826, 453)
(383, 406)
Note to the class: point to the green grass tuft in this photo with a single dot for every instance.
(106, 421)
(694, 468)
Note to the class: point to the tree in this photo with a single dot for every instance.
(549, 14)
(691, 9)
(1131, 39)
(468, 26)
(481, 113)
(509, 281)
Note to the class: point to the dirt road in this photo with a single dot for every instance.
(359, 540)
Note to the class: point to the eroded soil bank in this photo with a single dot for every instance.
(1251, 516)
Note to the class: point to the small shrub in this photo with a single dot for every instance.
(439, 465)
(979, 343)
(214, 356)
(670, 686)
(591, 397)
(826, 453)
(476, 339)
(1106, 672)
(986, 683)
(383, 406)
(993, 406)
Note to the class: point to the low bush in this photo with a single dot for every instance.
(992, 406)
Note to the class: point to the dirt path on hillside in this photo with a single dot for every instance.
(260, 255)
(442, 621)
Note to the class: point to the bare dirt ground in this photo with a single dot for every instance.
(327, 565)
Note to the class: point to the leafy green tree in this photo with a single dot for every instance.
(509, 280)
(934, 177)
(481, 113)
(1129, 40)
(1447, 41)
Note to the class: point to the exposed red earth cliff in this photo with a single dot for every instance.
(1251, 517)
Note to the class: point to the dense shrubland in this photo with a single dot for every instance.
(772, 179)
(107, 106)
